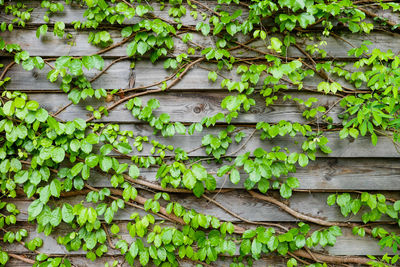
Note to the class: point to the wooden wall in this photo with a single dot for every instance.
(353, 165)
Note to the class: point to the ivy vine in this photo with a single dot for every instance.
(47, 160)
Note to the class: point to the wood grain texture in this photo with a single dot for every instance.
(347, 148)
(81, 260)
(323, 174)
(50, 45)
(239, 201)
(347, 244)
(190, 107)
(147, 74)
(74, 12)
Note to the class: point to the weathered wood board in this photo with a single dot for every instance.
(330, 174)
(50, 45)
(346, 148)
(190, 107)
(73, 13)
(147, 74)
(346, 242)
(239, 201)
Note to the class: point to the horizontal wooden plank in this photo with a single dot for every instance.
(74, 12)
(322, 174)
(83, 261)
(50, 45)
(190, 107)
(146, 73)
(347, 148)
(241, 202)
(79, 260)
(347, 244)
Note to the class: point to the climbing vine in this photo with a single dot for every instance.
(50, 160)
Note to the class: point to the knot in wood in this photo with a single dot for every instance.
(199, 108)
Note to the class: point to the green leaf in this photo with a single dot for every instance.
(88, 62)
(199, 172)
(396, 205)
(374, 139)
(77, 169)
(276, 44)
(273, 243)
(131, 49)
(41, 115)
(55, 187)
(9, 108)
(231, 28)
(56, 217)
(143, 257)
(198, 189)
(324, 86)
(293, 182)
(3, 257)
(67, 213)
(303, 160)
(223, 170)
(353, 132)
(21, 177)
(35, 208)
(285, 191)
(134, 171)
(114, 229)
(212, 76)
(106, 149)
(124, 148)
(234, 176)
(75, 67)
(141, 10)
(331, 200)
(32, 105)
(42, 30)
(98, 62)
(245, 246)
(105, 163)
(263, 185)
(142, 47)
(305, 19)
(180, 128)
(343, 199)
(57, 154)
(134, 250)
(189, 180)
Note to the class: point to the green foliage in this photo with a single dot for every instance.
(46, 159)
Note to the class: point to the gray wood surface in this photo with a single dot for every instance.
(147, 74)
(191, 107)
(347, 148)
(241, 202)
(323, 174)
(73, 13)
(347, 244)
(80, 260)
(50, 45)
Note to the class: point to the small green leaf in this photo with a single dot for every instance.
(303, 160)
(234, 176)
(134, 171)
(57, 154)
